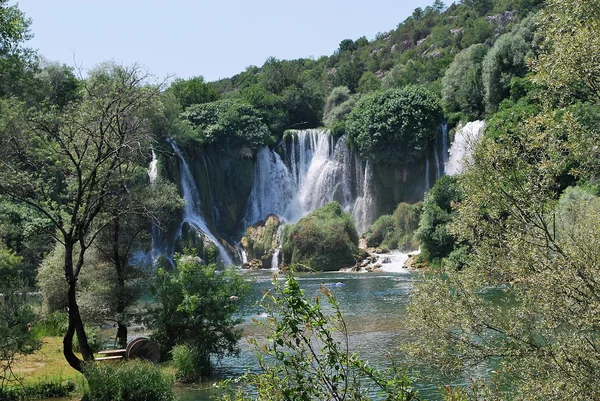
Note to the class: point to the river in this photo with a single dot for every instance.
(374, 308)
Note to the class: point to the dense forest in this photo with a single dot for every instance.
(509, 244)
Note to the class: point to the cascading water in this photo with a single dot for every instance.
(465, 140)
(315, 170)
(192, 212)
(155, 251)
(427, 172)
(277, 251)
(444, 127)
(153, 169)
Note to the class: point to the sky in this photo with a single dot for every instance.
(215, 39)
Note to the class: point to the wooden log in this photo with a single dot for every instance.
(109, 358)
(112, 352)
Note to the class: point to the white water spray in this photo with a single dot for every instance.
(465, 141)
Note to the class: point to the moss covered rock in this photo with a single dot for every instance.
(324, 240)
(260, 240)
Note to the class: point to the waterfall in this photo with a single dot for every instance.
(277, 251)
(153, 169)
(192, 212)
(436, 158)
(363, 206)
(465, 140)
(444, 143)
(427, 183)
(315, 170)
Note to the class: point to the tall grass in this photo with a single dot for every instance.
(42, 389)
(127, 381)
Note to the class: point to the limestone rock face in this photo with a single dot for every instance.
(260, 241)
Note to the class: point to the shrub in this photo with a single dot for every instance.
(326, 239)
(128, 381)
(397, 230)
(52, 325)
(196, 305)
(38, 390)
(94, 340)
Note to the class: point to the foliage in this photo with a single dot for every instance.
(193, 91)
(52, 324)
(568, 63)
(17, 64)
(94, 339)
(185, 361)
(394, 126)
(462, 86)
(195, 306)
(228, 124)
(16, 337)
(526, 294)
(306, 354)
(438, 210)
(40, 390)
(396, 230)
(368, 82)
(69, 164)
(127, 381)
(505, 60)
(326, 239)
(10, 265)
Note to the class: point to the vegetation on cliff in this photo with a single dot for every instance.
(395, 126)
(325, 240)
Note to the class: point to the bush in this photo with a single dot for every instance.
(38, 390)
(127, 381)
(52, 325)
(394, 126)
(436, 242)
(196, 305)
(397, 230)
(94, 340)
(326, 239)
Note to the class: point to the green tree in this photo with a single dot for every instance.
(505, 60)
(433, 235)
(394, 126)
(229, 124)
(368, 82)
(568, 65)
(193, 91)
(10, 265)
(462, 85)
(17, 64)
(525, 297)
(66, 164)
(196, 306)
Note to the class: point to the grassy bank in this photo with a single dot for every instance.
(43, 374)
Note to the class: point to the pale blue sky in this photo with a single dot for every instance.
(216, 39)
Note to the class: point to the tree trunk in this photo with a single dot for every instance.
(122, 335)
(120, 266)
(75, 322)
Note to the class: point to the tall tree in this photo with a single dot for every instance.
(70, 163)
